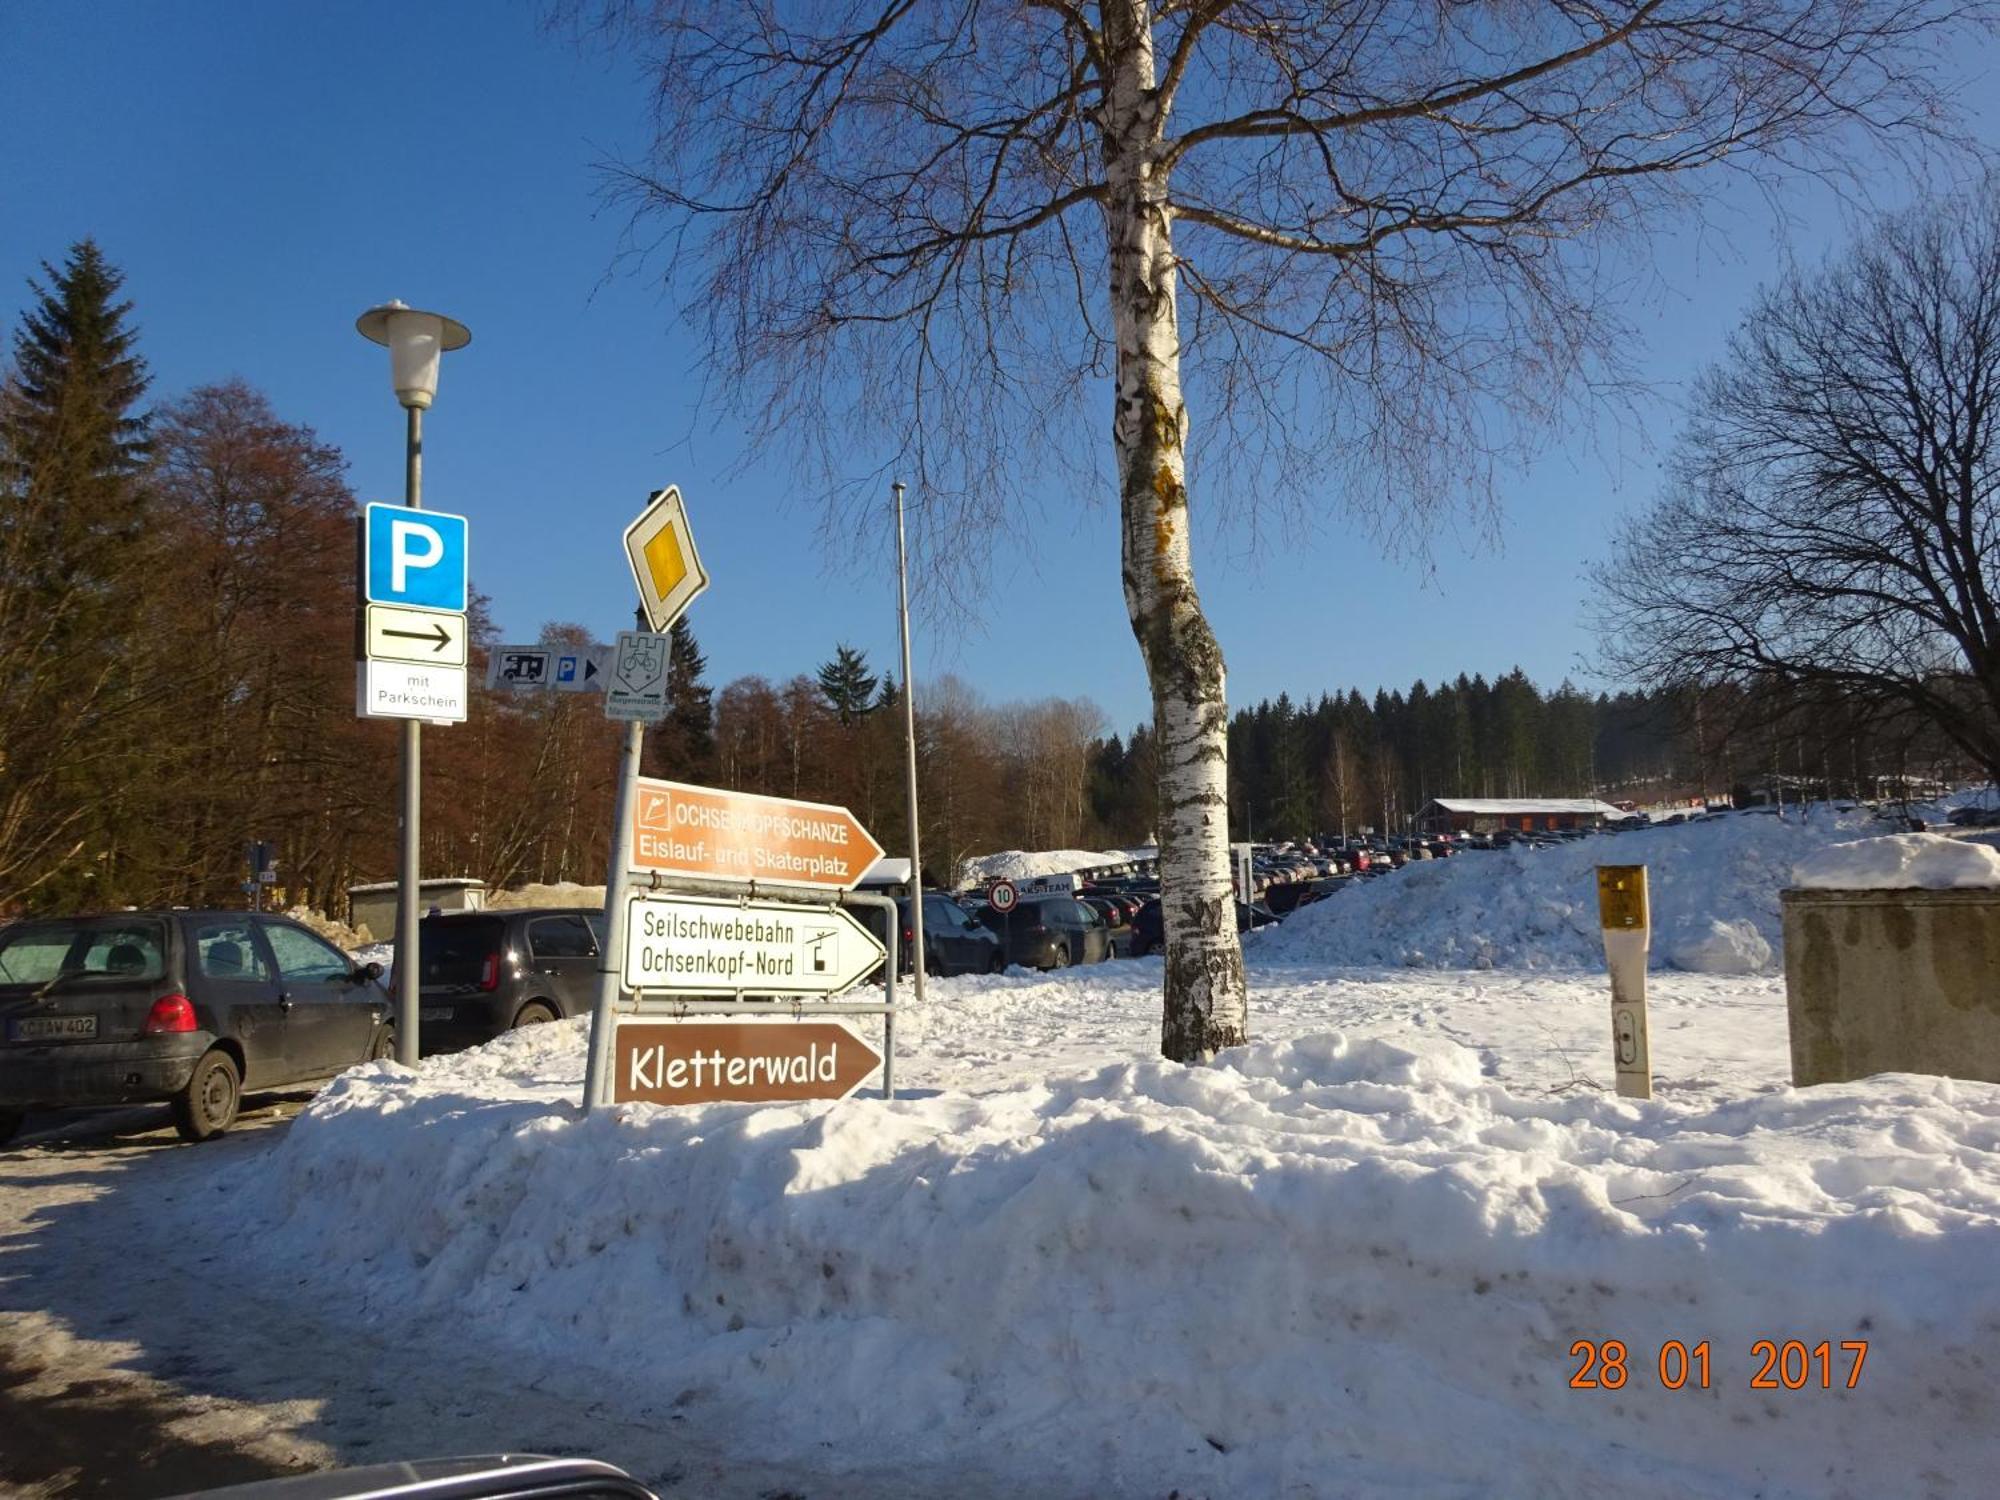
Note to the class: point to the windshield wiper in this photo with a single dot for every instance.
(65, 974)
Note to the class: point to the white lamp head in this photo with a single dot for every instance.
(416, 341)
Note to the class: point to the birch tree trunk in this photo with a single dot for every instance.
(1206, 997)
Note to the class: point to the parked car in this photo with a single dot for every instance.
(953, 942)
(1148, 935)
(511, 1476)
(484, 972)
(189, 1007)
(1051, 933)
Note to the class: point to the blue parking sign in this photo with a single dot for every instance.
(414, 557)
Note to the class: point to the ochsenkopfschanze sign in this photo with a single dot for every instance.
(746, 1062)
(716, 835)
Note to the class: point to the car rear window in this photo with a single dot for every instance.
(456, 952)
(124, 948)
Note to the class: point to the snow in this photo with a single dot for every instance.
(1286, 1274)
(565, 893)
(1904, 861)
(1351, 1259)
(1021, 864)
(1713, 885)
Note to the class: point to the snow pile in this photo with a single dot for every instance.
(1023, 864)
(1903, 861)
(337, 933)
(1714, 888)
(562, 893)
(1325, 1266)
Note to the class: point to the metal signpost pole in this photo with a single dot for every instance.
(409, 891)
(910, 757)
(604, 1015)
(419, 579)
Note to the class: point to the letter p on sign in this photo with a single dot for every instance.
(414, 557)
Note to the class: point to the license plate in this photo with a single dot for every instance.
(52, 1028)
(435, 1013)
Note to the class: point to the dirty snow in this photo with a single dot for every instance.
(1903, 861)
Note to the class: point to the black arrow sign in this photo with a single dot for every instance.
(437, 633)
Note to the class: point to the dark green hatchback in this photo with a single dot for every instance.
(190, 1007)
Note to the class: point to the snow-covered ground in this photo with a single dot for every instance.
(1352, 1259)
(1359, 1257)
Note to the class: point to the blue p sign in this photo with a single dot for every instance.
(414, 557)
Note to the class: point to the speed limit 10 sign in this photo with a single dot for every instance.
(1003, 896)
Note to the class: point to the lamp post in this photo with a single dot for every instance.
(416, 341)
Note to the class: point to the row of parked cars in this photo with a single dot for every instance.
(197, 1008)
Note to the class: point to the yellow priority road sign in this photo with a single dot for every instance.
(664, 563)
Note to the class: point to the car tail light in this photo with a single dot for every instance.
(170, 1014)
(908, 937)
(489, 973)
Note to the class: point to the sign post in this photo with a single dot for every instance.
(669, 576)
(410, 640)
(1622, 907)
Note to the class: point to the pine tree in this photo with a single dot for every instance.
(72, 549)
(847, 684)
(691, 708)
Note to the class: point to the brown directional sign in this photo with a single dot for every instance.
(716, 835)
(737, 1062)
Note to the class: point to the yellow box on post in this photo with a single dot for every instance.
(1623, 911)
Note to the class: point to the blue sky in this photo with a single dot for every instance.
(264, 172)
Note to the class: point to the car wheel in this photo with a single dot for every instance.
(207, 1106)
(384, 1046)
(1061, 957)
(998, 965)
(534, 1013)
(10, 1124)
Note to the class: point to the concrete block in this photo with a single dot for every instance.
(1893, 981)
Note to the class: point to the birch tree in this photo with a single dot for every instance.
(1368, 234)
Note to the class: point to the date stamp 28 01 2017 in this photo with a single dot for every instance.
(1779, 1365)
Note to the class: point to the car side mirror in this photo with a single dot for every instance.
(366, 973)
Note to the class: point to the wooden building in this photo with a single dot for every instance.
(1522, 814)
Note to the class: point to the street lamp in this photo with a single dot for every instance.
(416, 341)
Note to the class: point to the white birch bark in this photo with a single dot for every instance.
(1206, 996)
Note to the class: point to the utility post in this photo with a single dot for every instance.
(910, 758)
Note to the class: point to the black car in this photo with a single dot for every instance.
(1051, 932)
(484, 972)
(953, 942)
(1149, 935)
(190, 1007)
